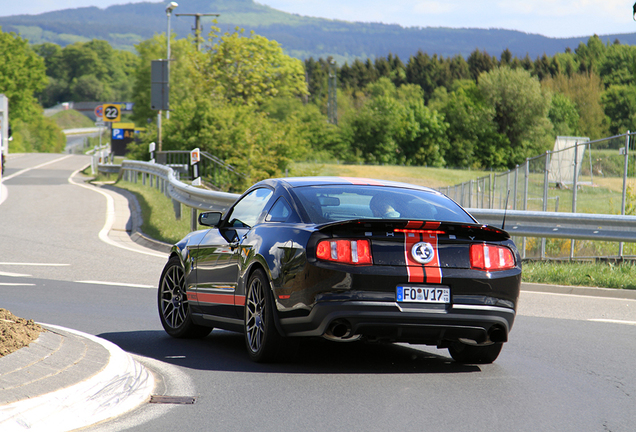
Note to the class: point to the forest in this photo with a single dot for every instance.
(247, 102)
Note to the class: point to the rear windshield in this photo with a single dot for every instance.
(345, 202)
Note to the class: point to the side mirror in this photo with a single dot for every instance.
(210, 219)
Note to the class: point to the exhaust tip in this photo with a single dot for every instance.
(497, 334)
(340, 331)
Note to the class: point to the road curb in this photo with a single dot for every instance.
(122, 385)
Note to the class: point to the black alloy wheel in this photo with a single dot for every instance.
(474, 354)
(174, 309)
(264, 343)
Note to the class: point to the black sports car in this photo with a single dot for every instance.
(345, 259)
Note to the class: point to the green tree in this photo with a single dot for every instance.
(22, 73)
(585, 91)
(472, 132)
(619, 102)
(479, 62)
(591, 55)
(248, 70)
(618, 66)
(563, 115)
(183, 53)
(521, 109)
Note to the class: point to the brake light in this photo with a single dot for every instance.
(490, 257)
(356, 252)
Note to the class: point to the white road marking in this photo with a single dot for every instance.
(577, 295)
(110, 219)
(116, 284)
(33, 264)
(611, 321)
(14, 274)
(16, 284)
(35, 167)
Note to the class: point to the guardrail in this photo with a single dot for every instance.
(578, 226)
(519, 223)
(164, 179)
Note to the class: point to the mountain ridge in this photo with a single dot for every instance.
(300, 36)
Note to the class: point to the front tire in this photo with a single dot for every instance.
(472, 354)
(264, 343)
(174, 308)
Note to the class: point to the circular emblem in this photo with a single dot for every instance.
(423, 252)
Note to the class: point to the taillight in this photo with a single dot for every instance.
(356, 252)
(490, 257)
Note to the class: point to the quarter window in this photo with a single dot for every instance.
(280, 211)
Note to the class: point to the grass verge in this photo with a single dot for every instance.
(601, 274)
(159, 221)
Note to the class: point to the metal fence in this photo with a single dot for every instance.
(215, 173)
(595, 177)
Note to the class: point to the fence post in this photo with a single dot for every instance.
(176, 205)
(624, 202)
(575, 186)
(545, 195)
(494, 189)
(193, 220)
(514, 195)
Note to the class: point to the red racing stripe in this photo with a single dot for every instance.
(414, 269)
(432, 269)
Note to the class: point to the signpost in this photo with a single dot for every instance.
(99, 113)
(122, 134)
(112, 112)
(195, 158)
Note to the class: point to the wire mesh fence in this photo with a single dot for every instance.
(578, 176)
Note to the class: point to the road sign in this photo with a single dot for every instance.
(112, 112)
(99, 112)
(195, 156)
(118, 134)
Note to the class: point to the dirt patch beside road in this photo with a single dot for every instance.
(15, 332)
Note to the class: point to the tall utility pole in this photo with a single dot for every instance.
(197, 26)
(332, 101)
(171, 6)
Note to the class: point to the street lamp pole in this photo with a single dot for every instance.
(171, 6)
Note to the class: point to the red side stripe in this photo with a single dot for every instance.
(239, 300)
(227, 299)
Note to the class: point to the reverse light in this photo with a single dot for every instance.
(356, 252)
(491, 257)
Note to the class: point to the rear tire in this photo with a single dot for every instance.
(472, 354)
(264, 343)
(174, 308)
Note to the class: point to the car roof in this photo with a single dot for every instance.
(295, 182)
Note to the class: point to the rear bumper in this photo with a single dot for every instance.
(400, 322)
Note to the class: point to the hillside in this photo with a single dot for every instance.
(124, 25)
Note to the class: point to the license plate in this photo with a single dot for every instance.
(419, 294)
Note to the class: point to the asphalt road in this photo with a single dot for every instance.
(569, 365)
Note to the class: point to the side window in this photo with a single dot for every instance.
(246, 212)
(280, 211)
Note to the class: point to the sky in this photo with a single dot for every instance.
(554, 18)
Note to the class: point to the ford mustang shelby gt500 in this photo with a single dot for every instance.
(345, 259)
